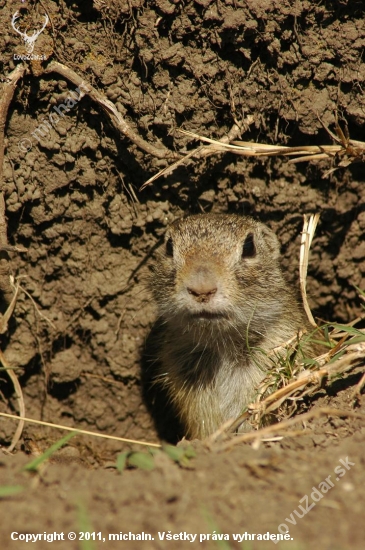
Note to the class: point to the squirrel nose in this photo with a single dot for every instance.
(200, 295)
(202, 284)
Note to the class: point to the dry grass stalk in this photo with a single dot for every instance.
(346, 152)
(315, 378)
(79, 431)
(325, 368)
(4, 320)
(18, 287)
(199, 152)
(169, 169)
(355, 150)
(309, 227)
(270, 431)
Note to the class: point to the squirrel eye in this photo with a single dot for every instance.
(169, 248)
(249, 249)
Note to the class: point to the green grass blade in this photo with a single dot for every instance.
(10, 490)
(34, 464)
(350, 330)
(85, 526)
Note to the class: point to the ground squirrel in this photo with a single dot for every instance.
(221, 295)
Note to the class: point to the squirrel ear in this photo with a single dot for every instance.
(271, 241)
(249, 247)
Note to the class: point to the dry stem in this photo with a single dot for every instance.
(308, 381)
(259, 435)
(309, 227)
(346, 152)
(344, 364)
(199, 152)
(84, 432)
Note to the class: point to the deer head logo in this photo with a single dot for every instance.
(29, 40)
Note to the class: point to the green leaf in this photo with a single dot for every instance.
(181, 455)
(310, 362)
(323, 343)
(10, 490)
(337, 355)
(122, 461)
(357, 339)
(34, 464)
(175, 453)
(189, 452)
(350, 330)
(213, 526)
(143, 461)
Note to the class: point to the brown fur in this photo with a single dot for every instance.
(221, 296)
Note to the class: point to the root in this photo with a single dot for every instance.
(19, 395)
(110, 109)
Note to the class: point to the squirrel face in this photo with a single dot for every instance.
(219, 268)
(223, 306)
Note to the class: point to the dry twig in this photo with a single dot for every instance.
(18, 287)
